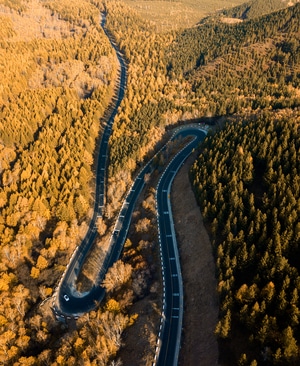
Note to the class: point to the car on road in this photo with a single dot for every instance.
(66, 297)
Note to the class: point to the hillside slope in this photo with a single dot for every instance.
(247, 181)
(250, 65)
(256, 8)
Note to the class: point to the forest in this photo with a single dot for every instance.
(58, 74)
(255, 8)
(247, 182)
(55, 88)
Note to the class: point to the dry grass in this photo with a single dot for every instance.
(166, 15)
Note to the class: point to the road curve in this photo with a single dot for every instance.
(66, 300)
(169, 337)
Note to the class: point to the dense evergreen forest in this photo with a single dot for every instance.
(247, 180)
(58, 73)
(250, 65)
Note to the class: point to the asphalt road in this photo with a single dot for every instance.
(168, 343)
(68, 302)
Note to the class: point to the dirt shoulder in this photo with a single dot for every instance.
(199, 344)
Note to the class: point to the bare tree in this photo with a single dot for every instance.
(117, 275)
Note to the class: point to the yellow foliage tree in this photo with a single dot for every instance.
(113, 306)
(42, 262)
(35, 272)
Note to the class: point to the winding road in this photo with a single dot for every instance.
(168, 342)
(68, 302)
